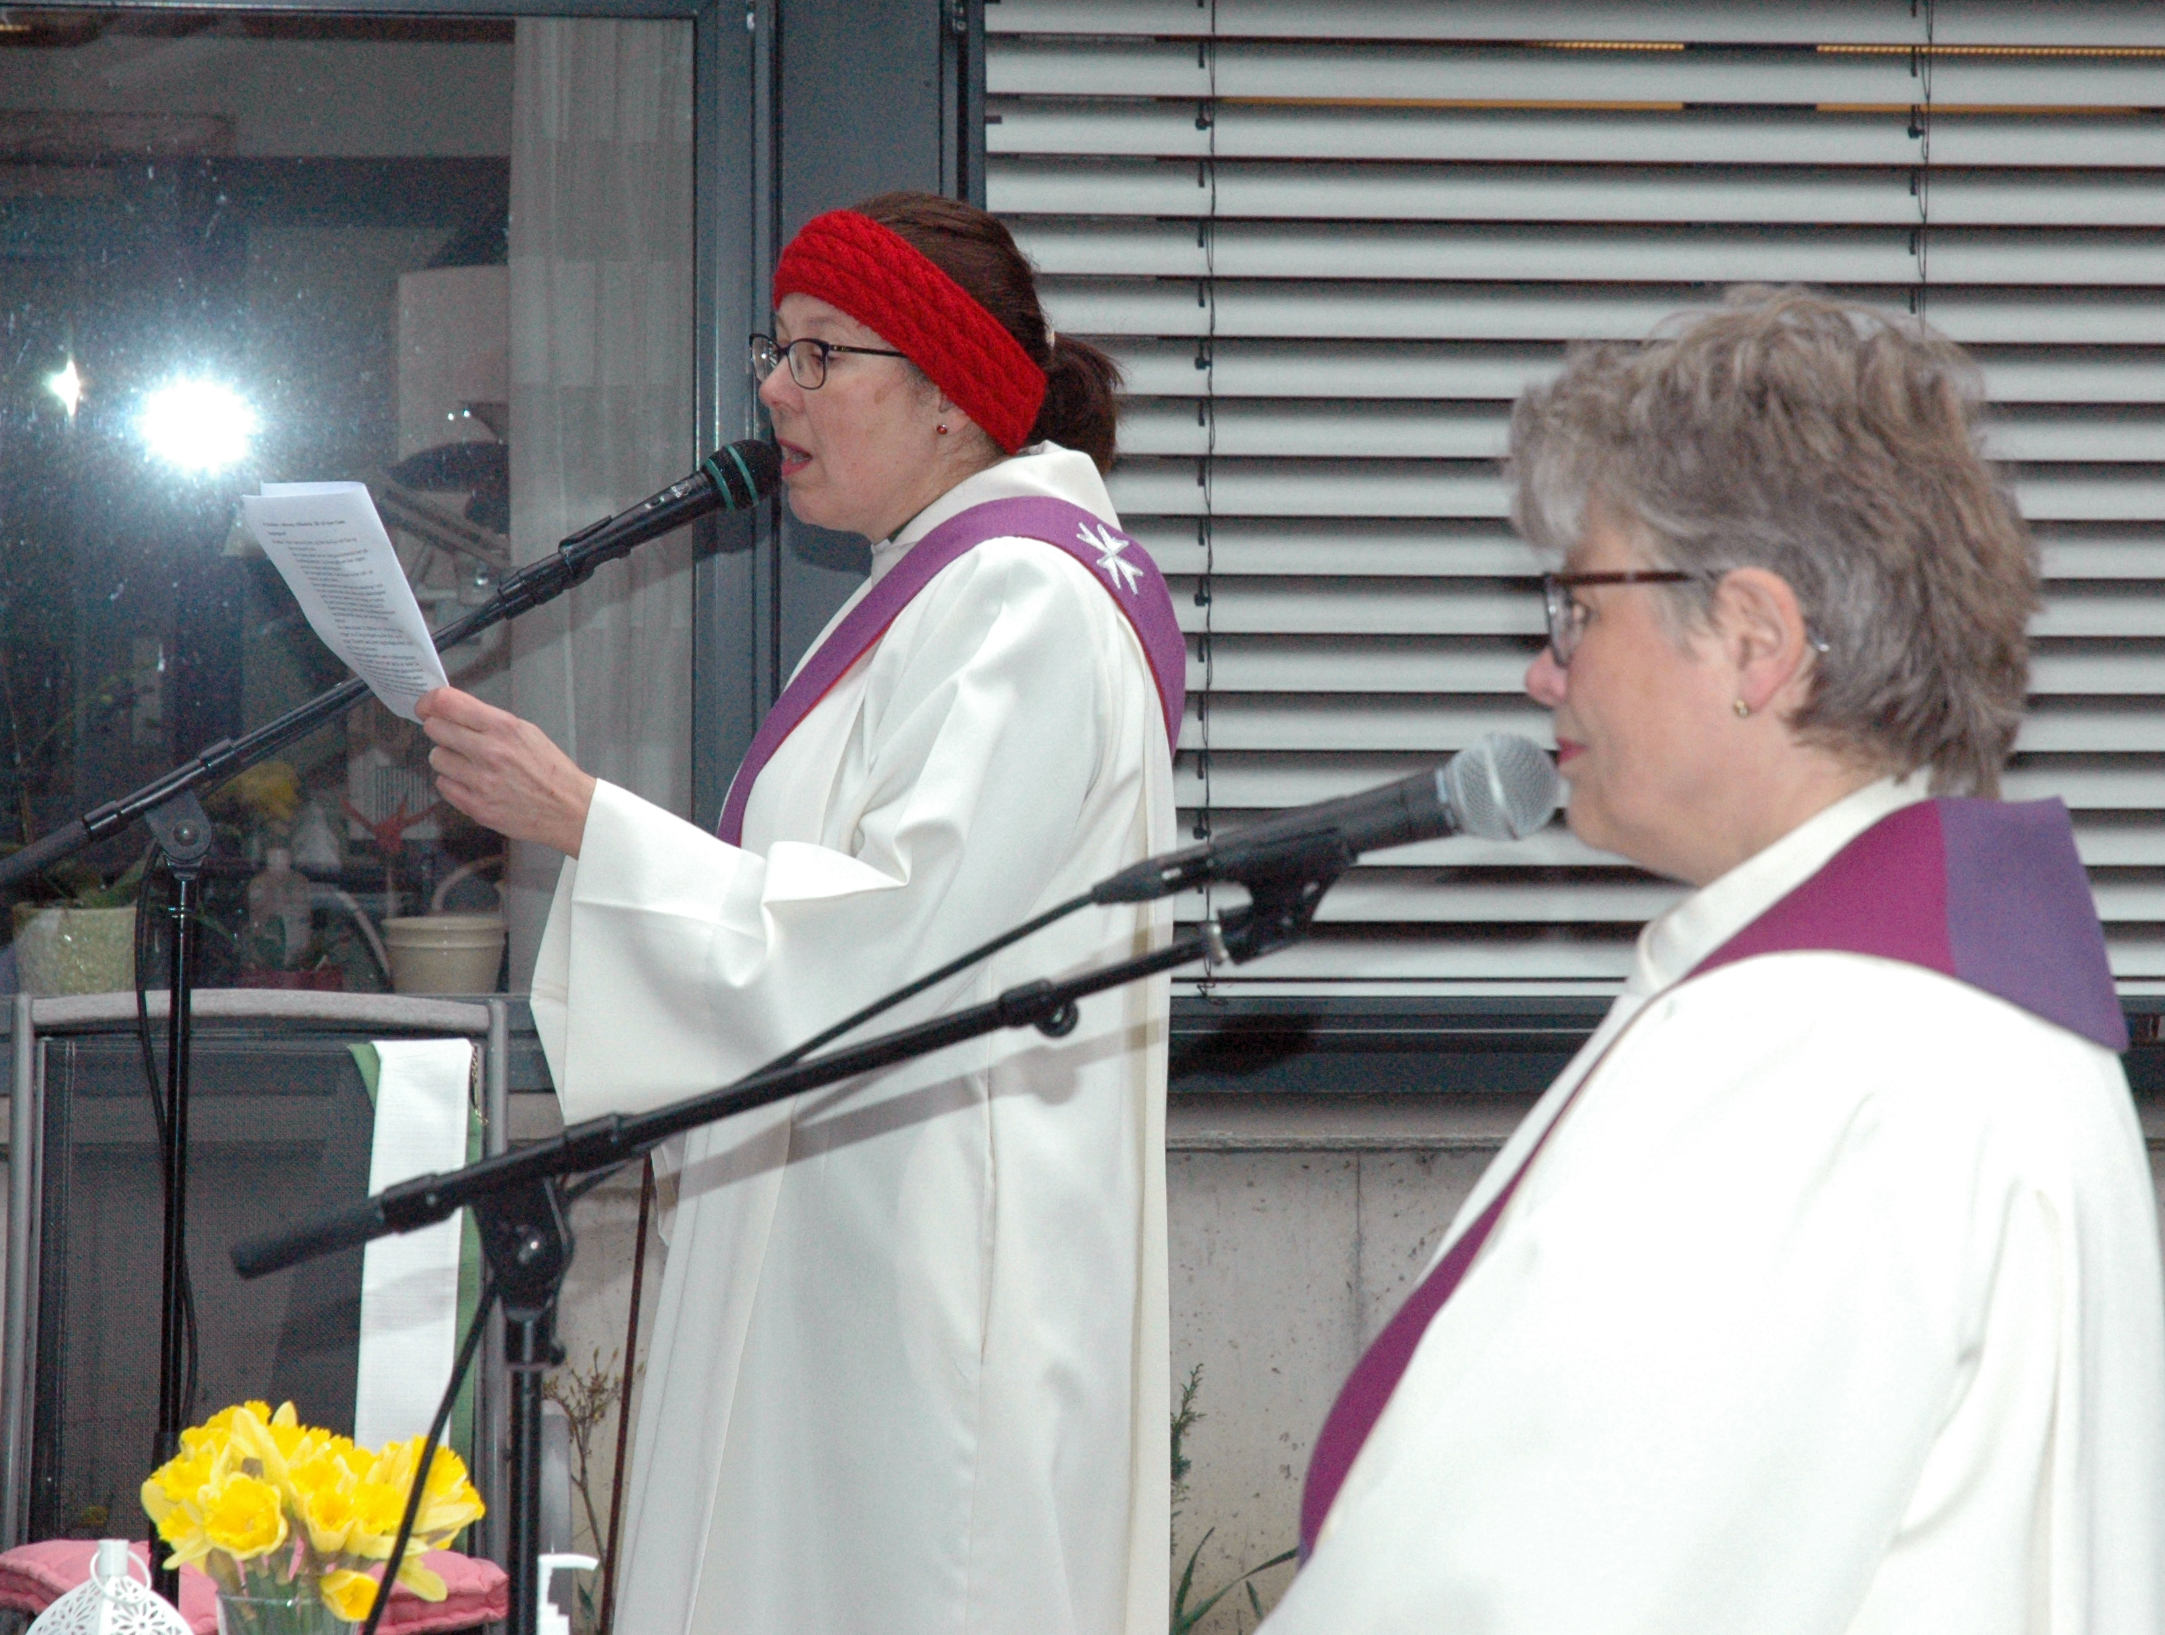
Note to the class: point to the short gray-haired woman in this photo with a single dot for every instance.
(1821, 1293)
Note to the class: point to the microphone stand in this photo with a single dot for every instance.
(519, 1198)
(169, 806)
(183, 833)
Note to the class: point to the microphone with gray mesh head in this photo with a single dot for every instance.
(1501, 787)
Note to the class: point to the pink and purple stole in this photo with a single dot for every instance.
(1115, 560)
(1988, 893)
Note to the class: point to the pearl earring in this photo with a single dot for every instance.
(1743, 709)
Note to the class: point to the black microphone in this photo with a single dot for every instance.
(1501, 787)
(732, 478)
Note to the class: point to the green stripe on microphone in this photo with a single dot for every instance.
(722, 483)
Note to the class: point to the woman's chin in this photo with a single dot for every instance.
(1583, 818)
(804, 506)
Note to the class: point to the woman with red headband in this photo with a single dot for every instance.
(909, 1368)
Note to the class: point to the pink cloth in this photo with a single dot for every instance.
(34, 1576)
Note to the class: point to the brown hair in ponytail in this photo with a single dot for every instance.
(976, 250)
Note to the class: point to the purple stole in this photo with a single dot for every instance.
(1990, 894)
(1116, 561)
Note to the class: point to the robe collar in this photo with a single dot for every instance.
(1041, 471)
(1673, 945)
(1987, 892)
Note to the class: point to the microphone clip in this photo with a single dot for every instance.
(1311, 854)
(1286, 883)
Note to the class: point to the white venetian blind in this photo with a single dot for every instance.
(1331, 242)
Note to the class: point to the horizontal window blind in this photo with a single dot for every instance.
(1331, 242)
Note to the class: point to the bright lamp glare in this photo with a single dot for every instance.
(67, 385)
(198, 425)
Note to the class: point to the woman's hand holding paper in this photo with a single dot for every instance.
(503, 772)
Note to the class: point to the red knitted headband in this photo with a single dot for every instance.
(882, 280)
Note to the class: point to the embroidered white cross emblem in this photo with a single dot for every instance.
(1112, 564)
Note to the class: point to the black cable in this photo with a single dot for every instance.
(952, 967)
(575, 1190)
(145, 946)
(467, 1348)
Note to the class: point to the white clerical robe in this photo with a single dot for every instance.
(909, 1370)
(1831, 1306)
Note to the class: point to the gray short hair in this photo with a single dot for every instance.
(1833, 445)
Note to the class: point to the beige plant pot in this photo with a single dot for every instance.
(59, 949)
(444, 953)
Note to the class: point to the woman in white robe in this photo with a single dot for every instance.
(909, 1366)
(1821, 1294)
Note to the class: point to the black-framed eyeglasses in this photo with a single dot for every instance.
(807, 358)
(1568, 615)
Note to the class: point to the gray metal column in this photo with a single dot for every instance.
(845, 101)
(489, 1392)
(21, 1284)
(733, 204)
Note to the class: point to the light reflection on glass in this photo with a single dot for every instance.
(200, 426)
(67, 385)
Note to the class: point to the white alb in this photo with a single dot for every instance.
(1832, 1308)
(909, 1370)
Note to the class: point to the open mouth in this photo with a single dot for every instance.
(1567, 751)
(794, 459)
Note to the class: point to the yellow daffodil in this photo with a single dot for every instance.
(219, 1426)
(349, 1594)
(358, 1461)
(179, 1480)
(273, 1442)
(179, 1526)
(329, 1514)
(248, 1482)
(448, 1500)
(427, 1585)
(245, 1518)
(173, 1498)
(377, 1509)
(270, 789)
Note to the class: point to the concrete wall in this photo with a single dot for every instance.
(1297, 1227)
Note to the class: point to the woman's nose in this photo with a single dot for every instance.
(1546, 680)
(778, 388)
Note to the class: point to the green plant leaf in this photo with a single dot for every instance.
(1186, 1618)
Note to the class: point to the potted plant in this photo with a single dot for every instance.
(79, 938)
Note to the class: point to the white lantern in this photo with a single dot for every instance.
(112, 1601)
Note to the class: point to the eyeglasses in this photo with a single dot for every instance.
(1568, 615)
(807, 358)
